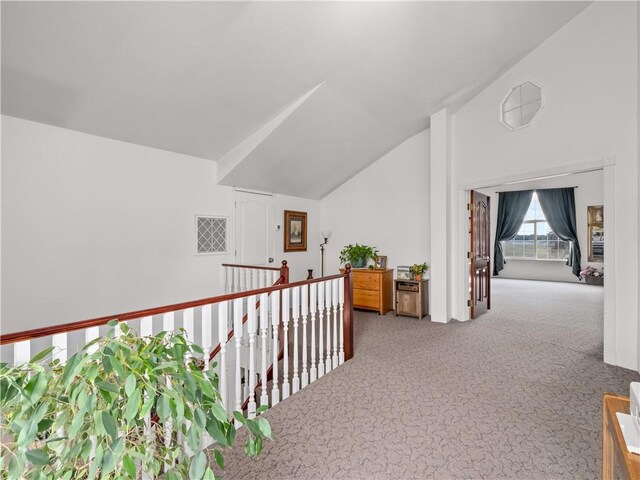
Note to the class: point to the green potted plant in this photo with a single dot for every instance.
(418, 270)
(357, 255)
(91, 417)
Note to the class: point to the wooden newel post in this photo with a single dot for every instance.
(348, 313)
(284, 271)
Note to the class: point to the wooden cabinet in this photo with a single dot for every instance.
(373, 289)
(412, 297)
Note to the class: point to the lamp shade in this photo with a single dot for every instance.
(326, 234)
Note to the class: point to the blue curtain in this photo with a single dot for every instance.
(559, 208)
(512, 207)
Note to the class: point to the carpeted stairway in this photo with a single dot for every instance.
(514, 394)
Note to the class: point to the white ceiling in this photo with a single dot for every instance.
(201, 78)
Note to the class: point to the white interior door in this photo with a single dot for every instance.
(254, 228)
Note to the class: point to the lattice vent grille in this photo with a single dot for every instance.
(211, 234)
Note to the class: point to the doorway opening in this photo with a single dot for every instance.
(536, 279)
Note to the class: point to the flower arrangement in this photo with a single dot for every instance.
(590, 271)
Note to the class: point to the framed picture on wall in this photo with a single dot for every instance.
(595, 233)
(295, 231)
(595, 215)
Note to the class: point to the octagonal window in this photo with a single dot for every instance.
(521, 105)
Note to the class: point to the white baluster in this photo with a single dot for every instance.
(304, 298)
(313, 372)
(222, 338)
(146, 330)
(168, 326)
(21, 352)
(255, 273)
(327, 298)
(320, 329)
(59, 342)
(285, 333)
(117, 332)
(264, 329)
(187, 324)
(275, 322)
(295, 381)
(236, 279)
(251, 302)
(237, 333)
(334, 302)
(274, 277)
(91, 334)
(341, 323)
(146, 326)
(168, 322)
(207, 327)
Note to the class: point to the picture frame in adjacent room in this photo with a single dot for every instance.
(595, 215)
(381, 262)
(295, 231)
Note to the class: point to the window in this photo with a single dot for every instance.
(521, 105)
(211, 234)
(536, 240)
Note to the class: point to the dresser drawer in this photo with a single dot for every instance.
(366, 298)
(366, 281)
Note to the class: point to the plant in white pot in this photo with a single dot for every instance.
(107, 412)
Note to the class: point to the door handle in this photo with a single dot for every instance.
(270, 259)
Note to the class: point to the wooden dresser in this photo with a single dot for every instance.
(373, 289)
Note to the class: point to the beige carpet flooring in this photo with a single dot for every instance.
(514, 394)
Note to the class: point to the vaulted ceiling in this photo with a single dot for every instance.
(293, 98)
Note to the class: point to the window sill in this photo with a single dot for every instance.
(521, 259)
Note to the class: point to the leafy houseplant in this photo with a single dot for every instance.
(86, 418)
(357, 255)
(418, 269)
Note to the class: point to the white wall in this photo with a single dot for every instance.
(589, 74)
(385, 206)
(590, 191)
(93, 226)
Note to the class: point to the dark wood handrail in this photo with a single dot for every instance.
(255, 267)
(96, 322)
(122, 317)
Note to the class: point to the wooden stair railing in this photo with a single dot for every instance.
(282, 280)
(324, 305)
(238, 278)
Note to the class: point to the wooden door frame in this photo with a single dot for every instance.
(462, 195)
